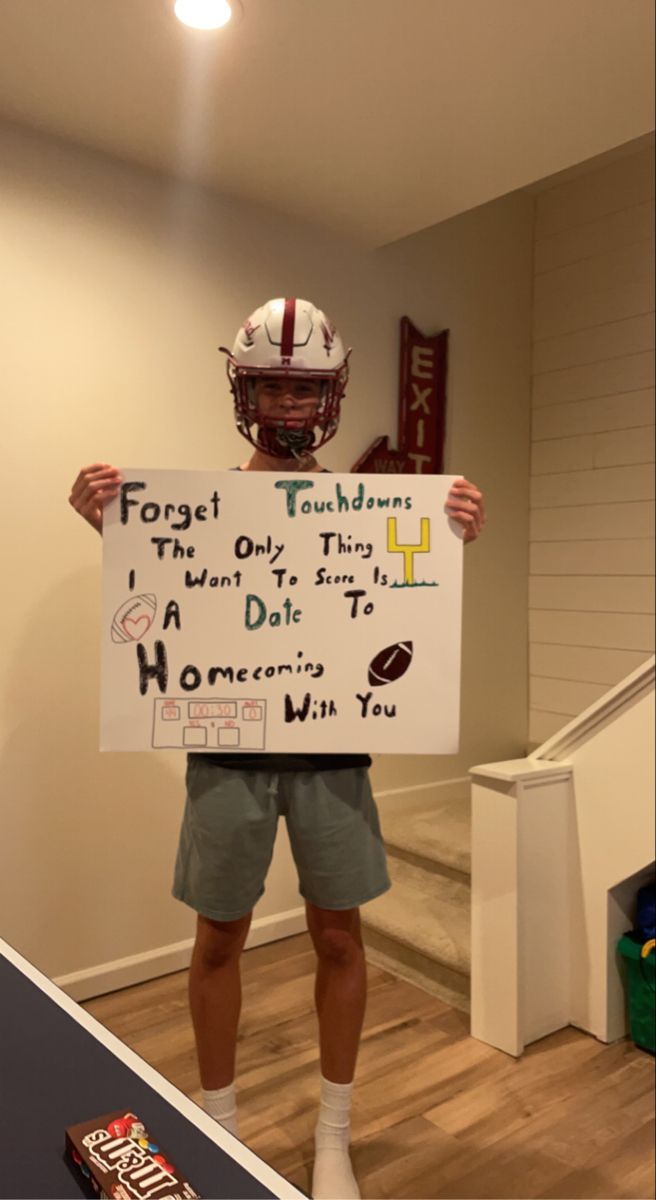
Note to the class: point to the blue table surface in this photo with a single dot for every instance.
(54, 1073)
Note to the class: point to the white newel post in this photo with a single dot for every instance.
(522, 830)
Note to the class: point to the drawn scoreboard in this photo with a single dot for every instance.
(209, 724)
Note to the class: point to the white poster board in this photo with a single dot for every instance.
(261, 612)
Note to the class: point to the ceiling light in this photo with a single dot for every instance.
(203, 14)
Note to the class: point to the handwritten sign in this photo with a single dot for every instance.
(248, 611)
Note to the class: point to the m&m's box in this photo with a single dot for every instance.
(115, 1157)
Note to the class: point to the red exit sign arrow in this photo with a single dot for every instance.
(422, 409)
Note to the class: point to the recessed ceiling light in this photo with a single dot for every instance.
(203, 14)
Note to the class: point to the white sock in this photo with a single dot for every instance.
(222, 1105)
(333, 1178)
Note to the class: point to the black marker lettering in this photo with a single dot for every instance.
(127, 504)
(158, 670)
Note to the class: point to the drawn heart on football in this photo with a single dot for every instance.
(135, 627)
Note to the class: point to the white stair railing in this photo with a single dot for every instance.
(560, 841)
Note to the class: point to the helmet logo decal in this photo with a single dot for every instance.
(328, 332)
(249, 331)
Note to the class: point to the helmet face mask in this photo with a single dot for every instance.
(291, 342)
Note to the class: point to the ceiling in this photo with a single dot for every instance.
(371, 118)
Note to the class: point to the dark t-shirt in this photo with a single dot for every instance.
(283, 762)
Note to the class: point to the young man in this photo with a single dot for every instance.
(288, 372)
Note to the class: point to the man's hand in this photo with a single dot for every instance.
(466, 505)
(94, 487)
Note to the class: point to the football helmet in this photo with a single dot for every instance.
(287, 339)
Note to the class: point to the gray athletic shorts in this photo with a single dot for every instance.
(229, 829)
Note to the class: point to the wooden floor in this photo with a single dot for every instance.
(436, 1113)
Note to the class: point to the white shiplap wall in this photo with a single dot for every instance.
(591, 593)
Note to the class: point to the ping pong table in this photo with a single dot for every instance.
(59, 1066)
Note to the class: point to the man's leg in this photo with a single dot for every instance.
(340, 988)
(340, 994)
(215, 1002)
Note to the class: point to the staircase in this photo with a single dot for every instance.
(420, 929)
(561, 840)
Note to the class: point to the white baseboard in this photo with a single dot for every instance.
(277, 926)
(163, 960)
(417, 793)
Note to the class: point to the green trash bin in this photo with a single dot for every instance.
(641, 972)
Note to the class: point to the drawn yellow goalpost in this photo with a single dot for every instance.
(408, 550)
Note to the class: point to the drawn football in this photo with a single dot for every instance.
(390, 664)
(134, 618)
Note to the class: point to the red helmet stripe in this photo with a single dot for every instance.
(287, 338)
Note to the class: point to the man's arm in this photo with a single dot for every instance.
(466, 505)
(94, 487)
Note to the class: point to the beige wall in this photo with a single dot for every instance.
(592, 485)
(117, 287)
(469, 274)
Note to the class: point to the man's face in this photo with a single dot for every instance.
(291, 401)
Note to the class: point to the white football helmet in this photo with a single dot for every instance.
(287, 339)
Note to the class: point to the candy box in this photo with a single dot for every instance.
(115, 1158)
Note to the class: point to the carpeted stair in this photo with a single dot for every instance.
(420, 929)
